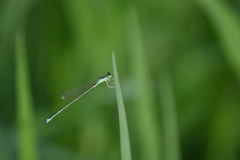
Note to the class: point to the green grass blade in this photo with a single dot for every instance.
(227, 26)
(25, 120)
(124, 136)
(171, 135)
(148, 126)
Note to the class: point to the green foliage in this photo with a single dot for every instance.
(170, 124)
(179, 68)
(124, 135)
(143, 100)
(27, 142)
(227, 24)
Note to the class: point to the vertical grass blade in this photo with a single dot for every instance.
(124, 136)
(25, 120)
(227, 26)
(148, 126)
(171, 136)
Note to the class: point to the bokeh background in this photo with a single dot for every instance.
(179, 69)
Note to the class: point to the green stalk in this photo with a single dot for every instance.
(226, 22)
(148, 126)
(124, 136)
(25, 116)
(171, 135)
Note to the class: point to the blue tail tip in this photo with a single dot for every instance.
(48, 120)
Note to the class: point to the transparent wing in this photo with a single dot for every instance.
(74, 93)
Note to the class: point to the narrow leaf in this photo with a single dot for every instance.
(227, 26)
(124, 136)
(25, 119)
(169, 119)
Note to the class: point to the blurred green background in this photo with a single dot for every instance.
(178, 64)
